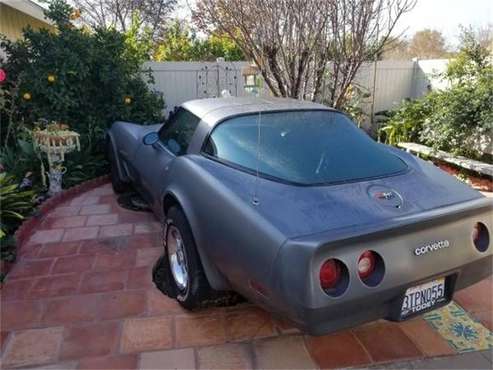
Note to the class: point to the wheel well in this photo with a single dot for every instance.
(168, 202)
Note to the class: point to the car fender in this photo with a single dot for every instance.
(215, 278)
(110, 142)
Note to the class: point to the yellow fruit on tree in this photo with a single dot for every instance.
(127, 100)
(26, 96)
(51, 78)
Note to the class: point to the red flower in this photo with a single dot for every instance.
(3, 75)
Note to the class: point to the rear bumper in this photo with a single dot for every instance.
(384, 304)
(299, 295)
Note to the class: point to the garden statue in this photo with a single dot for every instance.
(56, 140)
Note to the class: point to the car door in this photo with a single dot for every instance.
(154, 161)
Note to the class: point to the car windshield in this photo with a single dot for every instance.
(303, 147)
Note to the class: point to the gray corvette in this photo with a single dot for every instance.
(291, 205)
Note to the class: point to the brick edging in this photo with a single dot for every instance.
(31, 223)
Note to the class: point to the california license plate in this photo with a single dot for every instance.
(423, 297)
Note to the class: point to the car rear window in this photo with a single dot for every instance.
(302, 147)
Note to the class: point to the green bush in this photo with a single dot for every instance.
(78, 77)
(455, 119)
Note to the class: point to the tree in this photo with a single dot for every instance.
(307, 49)
(428, 44)
(396, 48)
(118, 14)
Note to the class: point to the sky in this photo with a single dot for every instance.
(442, 15)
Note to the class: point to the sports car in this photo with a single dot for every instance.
(294, 207)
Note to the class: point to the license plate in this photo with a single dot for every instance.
(423, 297)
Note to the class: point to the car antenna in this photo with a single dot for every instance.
(255, 200)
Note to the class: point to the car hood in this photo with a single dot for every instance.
(304, 210)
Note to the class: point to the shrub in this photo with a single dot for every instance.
(84, 79)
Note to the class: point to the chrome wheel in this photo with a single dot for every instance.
(177, 257)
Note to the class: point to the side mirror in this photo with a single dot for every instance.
(151, 138)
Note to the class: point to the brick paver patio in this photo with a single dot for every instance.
(81, 296)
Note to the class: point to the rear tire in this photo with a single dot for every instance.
(118, 185)
(191, 287)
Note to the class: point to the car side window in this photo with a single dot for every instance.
(177, 133)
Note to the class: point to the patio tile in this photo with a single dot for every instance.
(337, 350)
(148, 256)
(478, 297)
(103, 281)
(99, 209)
(386, 342)
(71, 310)
(146, 334)
(160, 304)
(199, 331)
(117, 261)
(64, 211)
(147, 228)
(69, 221)
(53, 286)
(85, 200)
(135, 217)
(15, 289)
(33, 268)
(171, 359)
(46, 236)
(20, 315)
(3, 340)
(58, 249)
(428, 340)
(112, 231)
(249, 323)
(485, 317)
(33, 347)
(140, 278)
(81, 233)
(73, 264)
(143, 241)
(121, 362)
(122, 304)
(287, 352)
(100, 220)
(90, 340)
(226, 356)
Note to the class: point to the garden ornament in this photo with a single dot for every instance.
(56, 140)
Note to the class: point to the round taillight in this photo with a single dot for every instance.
(480, 237)
(366, 264)
(330, 274)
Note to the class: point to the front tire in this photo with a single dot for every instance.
(188, 277)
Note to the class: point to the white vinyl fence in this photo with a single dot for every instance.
(394, 81)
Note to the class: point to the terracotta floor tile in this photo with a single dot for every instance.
(121, 362)
(85, 200)
(90, 340)
(485, 317)
(122, 260)
(145, 241)
(99, 209)
(53, 286)
(100, 220)
(428, 340)
(35, 268)
(104, 246)
(147, 257)
(32, 347)
(199, 331)
(75, 264)
(248, 323)
(104, 281)
(71, 310)
(15, 289)
(80, 233)
(160, 304)
(3, 340)
(58, 249)
(20, 315)
(286, 352)
(225, 356)
(46, 236)
(148, 227)
(337, 350)
(65, 222)
(476, 298)
(135, 217)
(64, 211)
(171, 359)
(146, 334)
(122, 304)
(112, 231)
(140, 278)
(386, 342)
